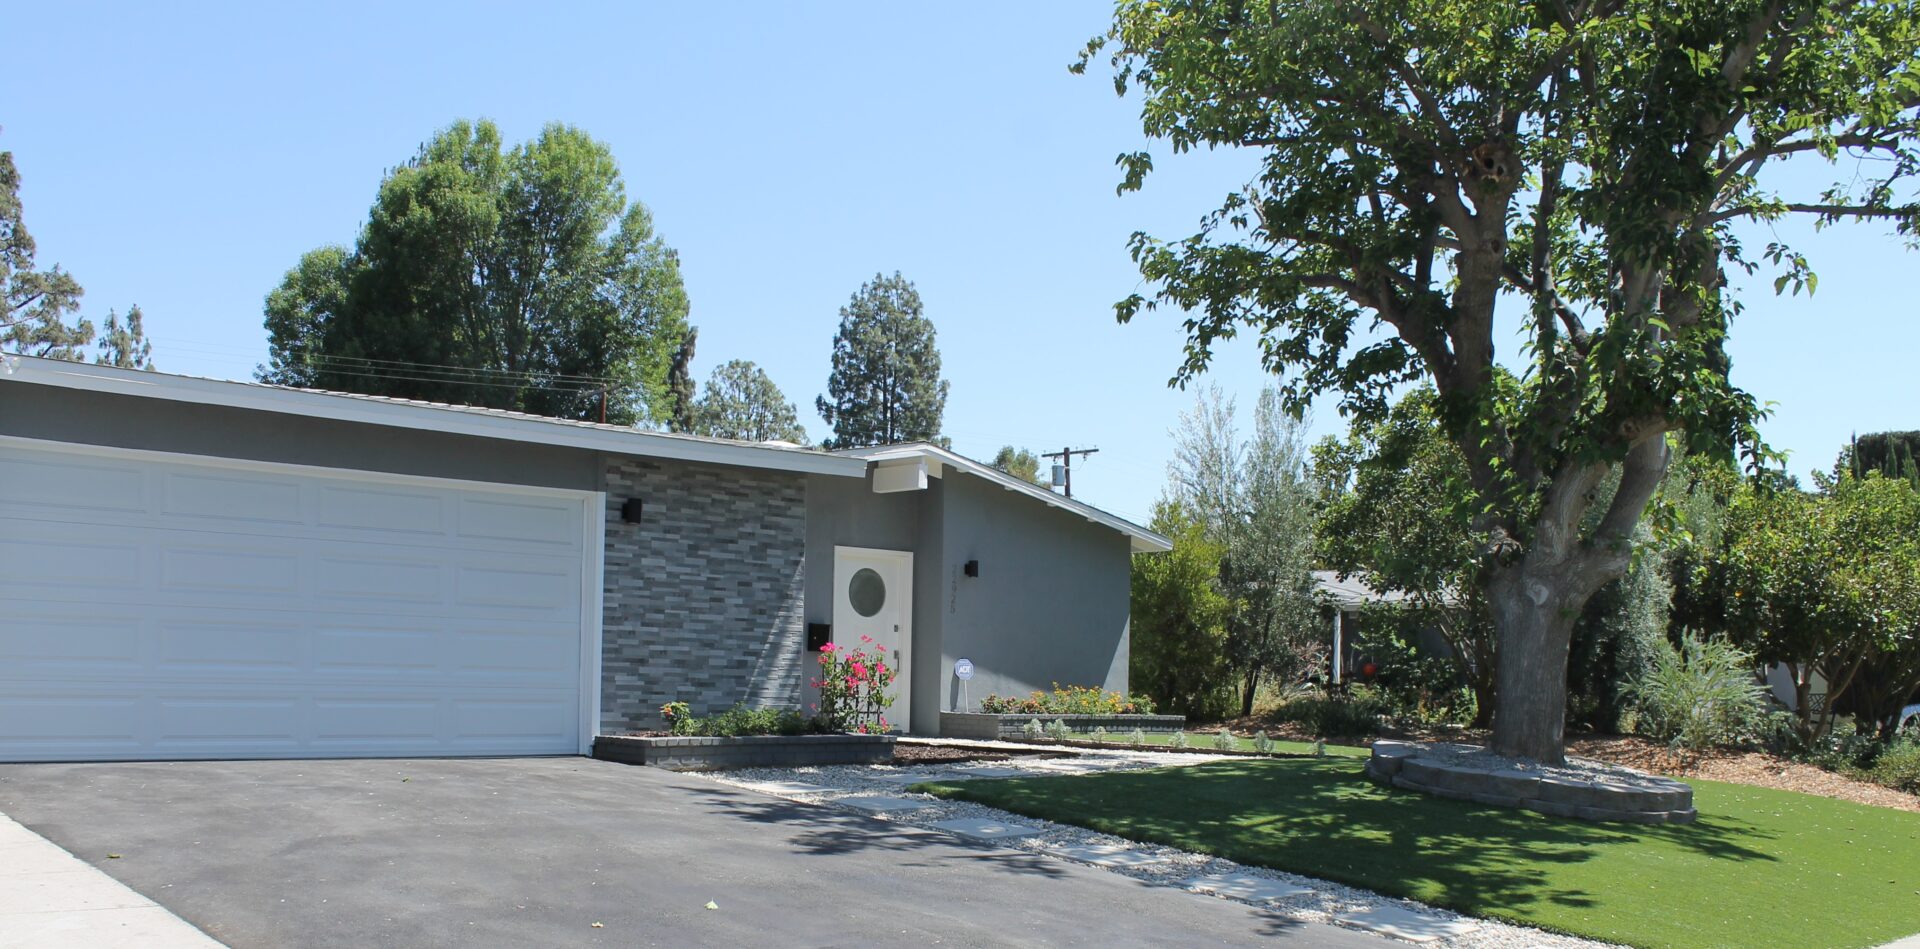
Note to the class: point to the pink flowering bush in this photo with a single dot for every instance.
(855, 687)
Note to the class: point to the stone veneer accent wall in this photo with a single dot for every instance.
(704, 596)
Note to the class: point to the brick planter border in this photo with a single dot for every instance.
(1646, 799)
(759, 751)
(987, 726)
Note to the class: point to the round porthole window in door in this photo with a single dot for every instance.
(866, 591)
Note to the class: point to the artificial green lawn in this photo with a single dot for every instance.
(1759, 868)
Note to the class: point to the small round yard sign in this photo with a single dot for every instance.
(963, 669)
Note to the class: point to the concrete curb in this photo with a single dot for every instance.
(50, 899)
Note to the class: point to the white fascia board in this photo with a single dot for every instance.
(451, 420)
(1143, 540)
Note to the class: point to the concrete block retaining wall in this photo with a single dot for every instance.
(759, 751)
(983, 726)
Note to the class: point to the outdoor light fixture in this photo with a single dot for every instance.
(818, 635)
(972, 569)
(630, 511)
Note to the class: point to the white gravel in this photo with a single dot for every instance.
(1321, 905)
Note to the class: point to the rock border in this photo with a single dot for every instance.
(1634, 798)
(679, 753)
(989, 726)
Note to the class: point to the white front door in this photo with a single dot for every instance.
(873, 596)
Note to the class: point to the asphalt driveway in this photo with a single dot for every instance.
(533, 852)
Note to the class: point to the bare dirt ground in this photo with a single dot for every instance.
(1755, 768)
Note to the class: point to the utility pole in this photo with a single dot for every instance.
(1066, 464)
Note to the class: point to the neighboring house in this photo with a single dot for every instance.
(1342, 601)
(192, 568)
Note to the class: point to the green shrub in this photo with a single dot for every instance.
(1099, 735)
(1177, 740)
(1137, 738)
(1224, 741)
(1357, 713)
(1069, 700)
(1702, 695)
(1898, 767)
(738, 721)
(1058, 730)
(1032, 729)
(1261, 743)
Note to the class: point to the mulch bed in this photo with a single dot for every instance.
(1754, 768)
(946, 754)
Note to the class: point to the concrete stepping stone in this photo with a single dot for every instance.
(1406, 924)
(1106, 855)
(993, 772)
(895, 777)
(1245, 886)
(980, 828)
(885, 805)
(784, 788)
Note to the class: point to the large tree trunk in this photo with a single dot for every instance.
(1534, 625)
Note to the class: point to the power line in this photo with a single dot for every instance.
(1066, 463)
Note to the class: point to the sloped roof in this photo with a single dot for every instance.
(427, 416)
(1144, 540)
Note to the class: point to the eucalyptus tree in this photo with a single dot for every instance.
(1578, 167)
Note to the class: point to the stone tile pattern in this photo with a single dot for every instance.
(760, 751)
(704, 596)
(1651, 800)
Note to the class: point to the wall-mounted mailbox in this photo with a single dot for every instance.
(630, 510)
(818, 636)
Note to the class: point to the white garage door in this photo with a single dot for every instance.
(160, 606)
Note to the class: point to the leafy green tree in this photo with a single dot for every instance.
(125, 345)
(1397, 509)
(885, 386)
(1255, 504)
(1826, 584)
(1424, 166)
(742, 402)
(1022, 464)
(517, 278)
(1178, 634)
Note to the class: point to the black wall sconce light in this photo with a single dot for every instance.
(630, 510)
(972, 569)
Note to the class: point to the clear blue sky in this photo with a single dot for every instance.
(183, 159)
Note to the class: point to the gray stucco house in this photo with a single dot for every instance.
(193, 568)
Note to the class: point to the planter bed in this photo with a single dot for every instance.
(759, 751)
(989, 726)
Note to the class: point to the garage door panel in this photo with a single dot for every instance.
(50, 481)
(36, 723)
(231, 724)
(164, 609)
(251, 499)
(212, 648)
(531, 521)
(382, 510)
(28, 563)
(38, 642)
(252, 569)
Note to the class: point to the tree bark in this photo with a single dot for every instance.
(1534, 624)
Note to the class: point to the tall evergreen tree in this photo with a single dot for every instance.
(35, 304)
(517, 278)
(742, 402)
(125, 345)
(885, 386)
(680, 390)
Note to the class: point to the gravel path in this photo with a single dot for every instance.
(1324, 904)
